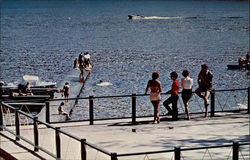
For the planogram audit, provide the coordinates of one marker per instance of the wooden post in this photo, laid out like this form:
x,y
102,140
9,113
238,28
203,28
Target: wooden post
x,y
47,111
133,109
35,133
212,103
248,108
58,143
235,150
83,150
177,153
91,110
1,116
114,156
17,124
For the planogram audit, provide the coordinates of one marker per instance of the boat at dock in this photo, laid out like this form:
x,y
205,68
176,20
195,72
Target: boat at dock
x,y
29,95
238,66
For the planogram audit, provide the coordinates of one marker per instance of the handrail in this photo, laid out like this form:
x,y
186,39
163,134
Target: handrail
x,y
28,141
58,130
117,96
182,149
13,108
52,127
130,95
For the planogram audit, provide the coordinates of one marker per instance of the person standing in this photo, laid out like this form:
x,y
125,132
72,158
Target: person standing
x,y
205,85
66,91
174,97
187,85
155,97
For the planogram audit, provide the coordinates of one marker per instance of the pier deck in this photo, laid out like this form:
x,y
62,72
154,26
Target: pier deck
x,y
121,137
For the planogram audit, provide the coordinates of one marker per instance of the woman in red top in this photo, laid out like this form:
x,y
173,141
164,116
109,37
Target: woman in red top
x,y
174,97
155,97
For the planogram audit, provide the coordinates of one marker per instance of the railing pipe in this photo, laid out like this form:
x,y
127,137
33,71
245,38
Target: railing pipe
x,y
235,150
248,101
91,110
212,103
177,153
134,109
47,111
35,134
1,116
58,143
114,156
83,150
17,123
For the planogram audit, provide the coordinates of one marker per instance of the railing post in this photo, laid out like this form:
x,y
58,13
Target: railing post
x,y
83,150
114,156
248,108
235,150
212,103
177,153
1,116
17,124
35,133
133,108
47,111
58,143
91,110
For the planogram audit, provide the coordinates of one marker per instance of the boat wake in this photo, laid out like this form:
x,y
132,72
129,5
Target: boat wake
x,y
157,17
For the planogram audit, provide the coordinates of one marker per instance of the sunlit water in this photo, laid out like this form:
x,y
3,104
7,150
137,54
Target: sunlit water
x,y
44,37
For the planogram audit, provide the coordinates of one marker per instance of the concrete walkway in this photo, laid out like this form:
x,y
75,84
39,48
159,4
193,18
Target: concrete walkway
x,y
121,137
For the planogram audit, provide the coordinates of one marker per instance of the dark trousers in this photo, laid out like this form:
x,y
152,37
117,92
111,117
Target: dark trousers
x,y
174,111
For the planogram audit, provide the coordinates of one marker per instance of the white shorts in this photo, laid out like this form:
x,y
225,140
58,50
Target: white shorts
x,y
155,96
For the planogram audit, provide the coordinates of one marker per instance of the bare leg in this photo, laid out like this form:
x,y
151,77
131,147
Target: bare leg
x,y
186,110
156,111
206,102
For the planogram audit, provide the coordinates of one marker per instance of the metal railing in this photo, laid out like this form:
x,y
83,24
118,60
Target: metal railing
x,y
134,97
57,130
83,142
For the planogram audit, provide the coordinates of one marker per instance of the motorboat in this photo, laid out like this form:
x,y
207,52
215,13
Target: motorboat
x,y
28,95
131,16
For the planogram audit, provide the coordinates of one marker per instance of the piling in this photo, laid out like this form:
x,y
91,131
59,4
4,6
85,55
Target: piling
x,y
58,143
212,103
134,109
114,156
235,150
91,110
17,122
177,153
35,134
47,111
248,104
83,150
1,117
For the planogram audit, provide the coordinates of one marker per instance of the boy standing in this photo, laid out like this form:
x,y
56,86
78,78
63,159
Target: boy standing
x,y
205,85
174,97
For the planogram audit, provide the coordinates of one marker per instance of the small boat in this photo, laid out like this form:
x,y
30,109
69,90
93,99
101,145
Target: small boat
x,y
236,66
131,16
35,86
233,66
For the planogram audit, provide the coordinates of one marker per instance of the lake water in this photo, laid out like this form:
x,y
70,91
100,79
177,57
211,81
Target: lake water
x,y
44,37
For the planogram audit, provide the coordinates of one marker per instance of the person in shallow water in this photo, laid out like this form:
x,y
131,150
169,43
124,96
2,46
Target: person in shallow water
x,y
205,85
66,91
155,97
